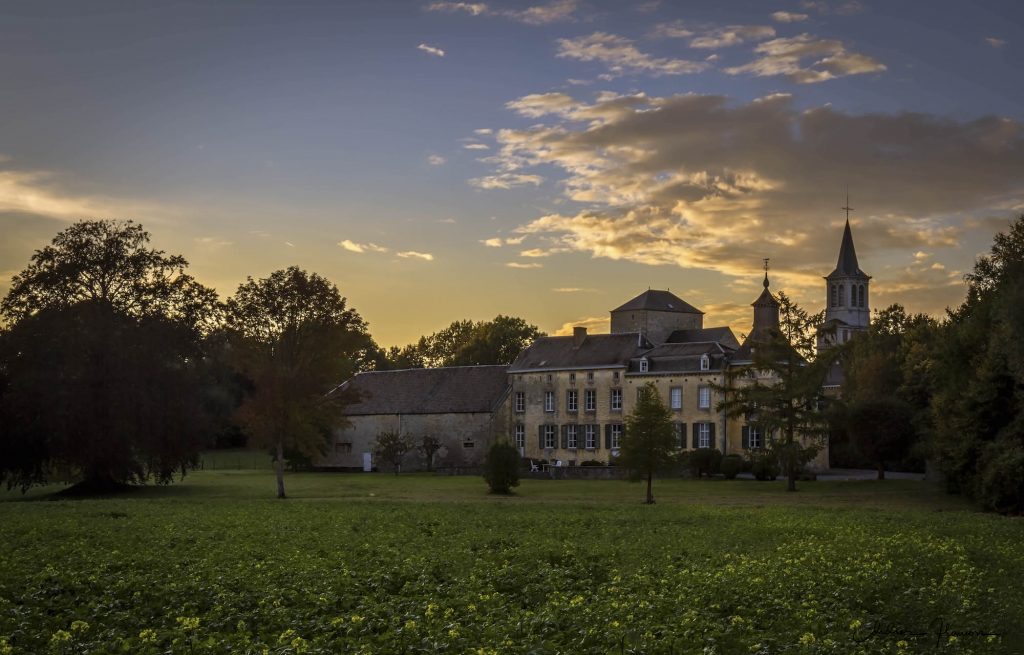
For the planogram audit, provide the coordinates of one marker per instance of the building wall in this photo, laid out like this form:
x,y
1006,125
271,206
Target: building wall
x,y
654,325
465,438
854,315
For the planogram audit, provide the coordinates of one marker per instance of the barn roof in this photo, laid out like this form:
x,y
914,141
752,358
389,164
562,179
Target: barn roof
x,y
449,390
595,351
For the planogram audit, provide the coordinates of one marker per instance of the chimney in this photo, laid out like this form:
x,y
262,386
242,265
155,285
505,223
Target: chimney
x,y
579,335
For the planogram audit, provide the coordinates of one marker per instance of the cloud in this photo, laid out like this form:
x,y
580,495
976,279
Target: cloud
x,y
476,146
552,12
620,56
494,242
431,50
787,56
702,182
448,221
352,246
594,325
506,181
436,160
572,290
212,243
789,17
407,254
847,8
521,265
483,131
994,42
731,35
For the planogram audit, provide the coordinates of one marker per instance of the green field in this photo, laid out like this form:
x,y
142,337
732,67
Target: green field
x,y
379,564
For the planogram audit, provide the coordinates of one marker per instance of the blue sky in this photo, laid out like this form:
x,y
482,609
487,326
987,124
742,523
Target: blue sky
x,y
444,160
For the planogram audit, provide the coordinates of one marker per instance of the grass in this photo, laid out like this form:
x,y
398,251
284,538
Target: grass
x,y
422,563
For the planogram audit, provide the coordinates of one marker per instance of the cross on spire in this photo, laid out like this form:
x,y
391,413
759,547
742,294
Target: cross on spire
x,y
847,208
766,272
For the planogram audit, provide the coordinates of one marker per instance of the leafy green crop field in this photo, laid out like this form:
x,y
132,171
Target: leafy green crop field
x,y
423,564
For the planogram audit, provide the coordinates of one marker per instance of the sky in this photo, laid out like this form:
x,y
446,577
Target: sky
x,y
552,159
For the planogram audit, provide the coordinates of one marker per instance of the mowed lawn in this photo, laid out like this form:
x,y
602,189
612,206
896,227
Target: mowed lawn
x,y
374,563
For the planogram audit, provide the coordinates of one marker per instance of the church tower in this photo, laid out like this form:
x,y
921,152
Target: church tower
x,y
847,306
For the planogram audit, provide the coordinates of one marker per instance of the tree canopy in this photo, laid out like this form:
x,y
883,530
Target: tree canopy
x,y
294,338
467,343
648,443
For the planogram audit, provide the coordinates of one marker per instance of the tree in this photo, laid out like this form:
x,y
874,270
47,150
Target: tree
x,y
467,343
781,389
501,467
392,447
882,430
295,340
103,362
429,445
648,443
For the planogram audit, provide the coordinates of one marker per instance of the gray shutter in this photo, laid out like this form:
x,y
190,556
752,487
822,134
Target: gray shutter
x,y
607,435
746,437
565,436
696,437
540,436
711,442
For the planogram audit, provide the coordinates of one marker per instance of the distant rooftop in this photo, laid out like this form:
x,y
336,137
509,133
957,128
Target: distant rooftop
x,y
449,390
596,351
659,301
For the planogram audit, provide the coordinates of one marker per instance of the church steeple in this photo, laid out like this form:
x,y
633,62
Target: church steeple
x,y
766,308
847,264
847,306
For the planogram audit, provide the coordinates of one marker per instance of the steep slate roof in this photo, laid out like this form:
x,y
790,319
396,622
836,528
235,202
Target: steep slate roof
x,y
679,357
722,335
659,301
847,264
596,351
450,390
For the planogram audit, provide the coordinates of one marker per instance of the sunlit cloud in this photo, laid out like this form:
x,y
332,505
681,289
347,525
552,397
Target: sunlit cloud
x,y
594,325
471,8
352,246
494,242
789,57
524,265
506,181
572,290
476,146
483,131
431,50
731,35
994,42
407,254
542,14
436,160
620,56
789,17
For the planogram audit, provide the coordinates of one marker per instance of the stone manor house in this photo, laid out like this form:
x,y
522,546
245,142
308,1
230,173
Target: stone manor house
x,y
565,398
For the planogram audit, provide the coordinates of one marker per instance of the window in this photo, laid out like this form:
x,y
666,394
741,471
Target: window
x,y
520,401
549,377
754,440
842,295
570,436
615,376
520,436
680,430
616,399
705,363
590,400
572,400
860,300
342,448
572,378
835,300
676,398
468,444
550,440
853,295
590,376
704,397
590,437
549,401
703,435
616,435
644,365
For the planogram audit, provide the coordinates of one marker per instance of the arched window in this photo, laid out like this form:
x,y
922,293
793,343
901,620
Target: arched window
x,y
853,295
842,295
705,363
834,299
860,302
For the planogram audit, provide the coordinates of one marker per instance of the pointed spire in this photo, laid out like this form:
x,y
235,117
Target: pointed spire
x,y
847,264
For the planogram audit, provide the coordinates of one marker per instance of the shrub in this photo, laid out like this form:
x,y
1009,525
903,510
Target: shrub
x,y
764,466
705,461
501,467
731,465
1001,483
592,462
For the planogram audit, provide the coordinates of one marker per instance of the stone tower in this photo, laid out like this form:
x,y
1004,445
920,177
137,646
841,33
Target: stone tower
x,y
656,314
847,295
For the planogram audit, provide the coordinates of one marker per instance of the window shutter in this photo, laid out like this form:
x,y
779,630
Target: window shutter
x,y
746,437
540,436
608,436
711,441
696,436
565,436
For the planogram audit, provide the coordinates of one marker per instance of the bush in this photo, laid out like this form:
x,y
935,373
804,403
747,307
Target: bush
x,y
592,462
1001,483
731,465
764,466
501,467
705,461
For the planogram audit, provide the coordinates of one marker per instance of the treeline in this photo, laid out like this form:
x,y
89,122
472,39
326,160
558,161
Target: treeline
x,y
117,366
949,392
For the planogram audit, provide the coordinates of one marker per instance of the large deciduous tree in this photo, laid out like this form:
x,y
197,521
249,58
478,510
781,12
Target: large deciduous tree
x,y
102,361
294,338
648,444
780,390
467,343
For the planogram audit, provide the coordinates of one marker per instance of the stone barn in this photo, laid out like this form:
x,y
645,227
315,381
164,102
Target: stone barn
x,y
462,406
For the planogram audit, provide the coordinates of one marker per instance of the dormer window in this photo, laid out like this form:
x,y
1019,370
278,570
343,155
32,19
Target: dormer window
x,y
643,365
705,362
